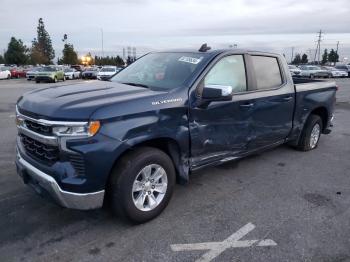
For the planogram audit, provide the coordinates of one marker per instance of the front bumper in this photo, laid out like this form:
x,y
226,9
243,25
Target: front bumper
x,y
43,183
44,78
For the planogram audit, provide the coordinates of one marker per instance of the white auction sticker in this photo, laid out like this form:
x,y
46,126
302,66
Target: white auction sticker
x,y
191,60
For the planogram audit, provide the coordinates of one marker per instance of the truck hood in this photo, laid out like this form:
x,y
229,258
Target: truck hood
x,y
79,101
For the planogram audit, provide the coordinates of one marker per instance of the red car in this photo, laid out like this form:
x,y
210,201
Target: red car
x,y
18,72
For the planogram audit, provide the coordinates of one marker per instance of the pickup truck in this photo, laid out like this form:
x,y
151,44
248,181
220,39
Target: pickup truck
x,y
130,139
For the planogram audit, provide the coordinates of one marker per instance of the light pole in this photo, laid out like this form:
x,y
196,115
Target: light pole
x,y
102,42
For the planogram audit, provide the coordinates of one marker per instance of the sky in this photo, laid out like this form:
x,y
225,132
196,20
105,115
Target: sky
x,y
149,25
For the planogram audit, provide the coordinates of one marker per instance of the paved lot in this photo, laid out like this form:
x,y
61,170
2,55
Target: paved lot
x,y
299,201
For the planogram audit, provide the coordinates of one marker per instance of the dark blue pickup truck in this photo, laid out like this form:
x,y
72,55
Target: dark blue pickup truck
x,y
169,113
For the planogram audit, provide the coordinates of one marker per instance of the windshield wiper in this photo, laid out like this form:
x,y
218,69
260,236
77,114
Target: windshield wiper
x,y
135,84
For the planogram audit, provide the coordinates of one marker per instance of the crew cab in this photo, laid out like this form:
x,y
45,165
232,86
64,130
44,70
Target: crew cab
x,y
164,116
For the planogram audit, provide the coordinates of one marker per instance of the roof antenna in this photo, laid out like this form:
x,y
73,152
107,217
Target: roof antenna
x,y
204,48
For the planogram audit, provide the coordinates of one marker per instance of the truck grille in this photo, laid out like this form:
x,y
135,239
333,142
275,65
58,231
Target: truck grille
x,y
38,128
45,153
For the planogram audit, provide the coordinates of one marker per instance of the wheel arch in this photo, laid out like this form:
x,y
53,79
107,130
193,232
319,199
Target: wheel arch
x,y
322,112
169,146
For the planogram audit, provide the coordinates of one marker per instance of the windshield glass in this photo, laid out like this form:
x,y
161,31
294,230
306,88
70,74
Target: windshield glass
x,y
161,71
90,69
68,70
49,69
292,67
108,69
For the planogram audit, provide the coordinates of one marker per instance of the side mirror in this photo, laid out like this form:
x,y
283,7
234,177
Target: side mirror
x,y
217,93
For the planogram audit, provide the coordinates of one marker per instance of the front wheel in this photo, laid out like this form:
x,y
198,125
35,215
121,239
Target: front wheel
x,y
311,133
141,185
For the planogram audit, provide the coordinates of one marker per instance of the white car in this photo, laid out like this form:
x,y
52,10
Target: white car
x,y
295,71
106,72
335,72
313,71
5,73
31,74
71,73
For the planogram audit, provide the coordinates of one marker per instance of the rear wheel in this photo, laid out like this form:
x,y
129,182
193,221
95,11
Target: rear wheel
x,y
311,133
312,76
141,185
55,79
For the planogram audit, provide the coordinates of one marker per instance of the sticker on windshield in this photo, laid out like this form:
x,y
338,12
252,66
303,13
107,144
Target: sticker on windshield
x,y
191,60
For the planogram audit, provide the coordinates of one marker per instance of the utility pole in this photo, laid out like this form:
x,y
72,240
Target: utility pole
x,y
318,47
291,59
337,47
103,54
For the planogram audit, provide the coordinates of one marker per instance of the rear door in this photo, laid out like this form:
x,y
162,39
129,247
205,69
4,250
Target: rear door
x,y
271,101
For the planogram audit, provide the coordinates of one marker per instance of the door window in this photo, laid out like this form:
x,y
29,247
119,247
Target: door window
x,y
229,71
267,72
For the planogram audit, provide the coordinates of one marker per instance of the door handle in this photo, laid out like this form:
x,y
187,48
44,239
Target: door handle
x,y
247,105
287,98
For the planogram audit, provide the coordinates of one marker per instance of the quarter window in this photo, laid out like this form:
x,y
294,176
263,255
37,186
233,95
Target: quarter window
x,y
267,72
229,71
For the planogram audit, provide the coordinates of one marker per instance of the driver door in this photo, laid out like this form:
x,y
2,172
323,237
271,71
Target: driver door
x,y
220,129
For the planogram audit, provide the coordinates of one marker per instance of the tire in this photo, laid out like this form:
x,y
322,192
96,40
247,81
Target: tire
x,y
37,81
55,79
64,78
306,142
127,172
312,76
8,76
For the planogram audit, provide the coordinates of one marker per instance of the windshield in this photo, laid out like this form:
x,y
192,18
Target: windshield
x,y
68,70
161,71
108,69
49,69
90,69
292,67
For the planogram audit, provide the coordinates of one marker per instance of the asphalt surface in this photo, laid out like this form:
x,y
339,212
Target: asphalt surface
x,y
299,200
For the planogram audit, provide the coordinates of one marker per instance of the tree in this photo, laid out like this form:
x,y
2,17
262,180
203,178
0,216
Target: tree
x,y
324,57
70,57
16,52
333,57
296,60
109,60
42,51
304,59
2,60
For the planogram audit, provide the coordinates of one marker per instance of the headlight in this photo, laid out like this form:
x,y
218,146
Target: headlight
x,y
86,130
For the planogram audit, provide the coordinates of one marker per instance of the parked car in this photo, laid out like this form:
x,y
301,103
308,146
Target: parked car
x,y
50,74
71,73
79,68
344,68
17,72
158,120
295,71
335,72
5,73
313,71
106,72
31,73
90,73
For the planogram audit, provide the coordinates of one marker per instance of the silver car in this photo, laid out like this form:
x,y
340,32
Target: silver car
x,y
314,71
